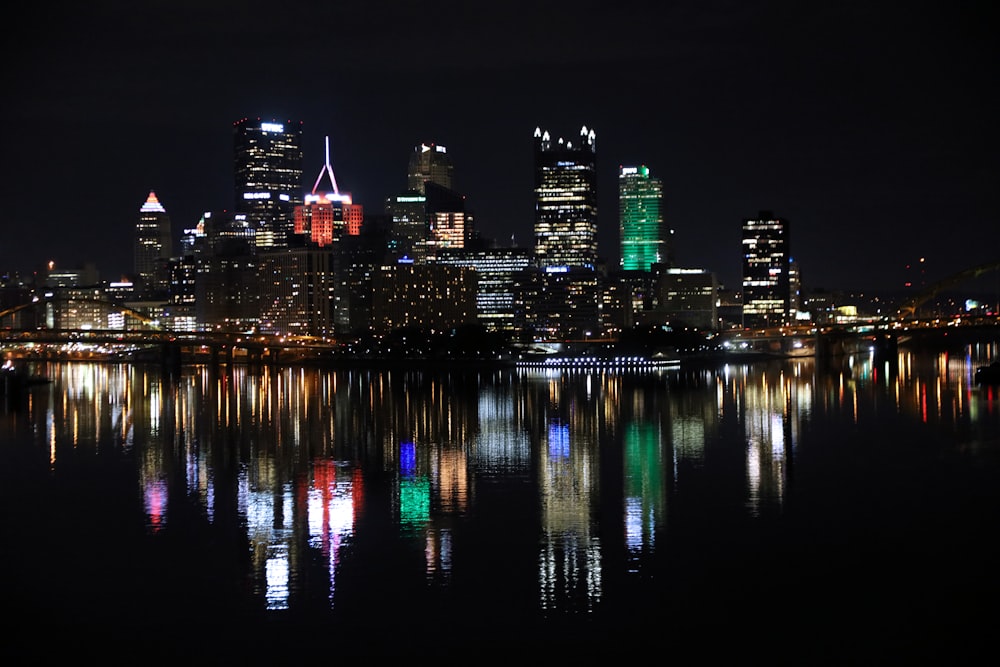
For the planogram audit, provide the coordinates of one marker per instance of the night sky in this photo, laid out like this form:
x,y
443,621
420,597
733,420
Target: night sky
x,y
871,127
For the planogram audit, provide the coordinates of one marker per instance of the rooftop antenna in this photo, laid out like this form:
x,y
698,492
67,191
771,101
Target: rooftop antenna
x,y
327,169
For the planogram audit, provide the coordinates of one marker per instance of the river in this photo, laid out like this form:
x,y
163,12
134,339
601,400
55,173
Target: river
x,y
774,512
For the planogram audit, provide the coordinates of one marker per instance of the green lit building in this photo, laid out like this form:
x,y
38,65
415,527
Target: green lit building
x,y
644,239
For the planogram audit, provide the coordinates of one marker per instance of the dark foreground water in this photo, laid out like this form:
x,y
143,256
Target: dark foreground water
x,y
768,513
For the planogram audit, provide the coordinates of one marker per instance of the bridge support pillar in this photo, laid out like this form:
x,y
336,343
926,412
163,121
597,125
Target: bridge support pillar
x,y
170,357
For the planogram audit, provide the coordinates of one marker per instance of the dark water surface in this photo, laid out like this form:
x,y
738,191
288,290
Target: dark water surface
x,y
774,512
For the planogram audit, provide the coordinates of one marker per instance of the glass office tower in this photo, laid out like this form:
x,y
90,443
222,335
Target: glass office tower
x,y
566,200
766,288
640,219
429,162
268,176
153,246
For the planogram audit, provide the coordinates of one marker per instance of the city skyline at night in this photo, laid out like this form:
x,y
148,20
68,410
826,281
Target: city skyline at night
x,y
870,127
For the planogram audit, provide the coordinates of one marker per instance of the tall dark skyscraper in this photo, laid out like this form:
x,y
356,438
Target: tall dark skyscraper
x,y
421,221
566,200
644,240
766,287
429,163
153,246
268,176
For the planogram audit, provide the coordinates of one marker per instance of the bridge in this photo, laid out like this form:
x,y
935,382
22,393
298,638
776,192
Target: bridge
x,y
172,347
909,308
809,340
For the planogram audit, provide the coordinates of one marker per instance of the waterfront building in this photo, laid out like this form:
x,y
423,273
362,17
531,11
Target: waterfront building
x,y
432,297
356,261
153,246
766,286
226,283
688,297
296,291
558,303
644,239
79,308
566,200
181,314
795,291
497,270
627,298
730,308
268,176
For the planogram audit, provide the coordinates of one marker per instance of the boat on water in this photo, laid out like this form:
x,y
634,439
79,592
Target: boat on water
x,y
988,374
602,361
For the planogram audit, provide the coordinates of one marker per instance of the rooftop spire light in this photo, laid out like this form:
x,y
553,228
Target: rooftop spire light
x,y
327,169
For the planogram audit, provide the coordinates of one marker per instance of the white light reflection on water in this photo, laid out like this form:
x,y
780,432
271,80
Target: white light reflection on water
x,y
569,566
269,519
500,447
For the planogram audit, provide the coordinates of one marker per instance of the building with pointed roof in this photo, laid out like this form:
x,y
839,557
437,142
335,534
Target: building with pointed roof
x,y
326,213
153,246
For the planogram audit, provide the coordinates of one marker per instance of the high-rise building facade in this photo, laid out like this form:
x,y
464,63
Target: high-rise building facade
x,y
688,296
227,290
448,223
152,248
422,221
297,291
268,176
643,238
429,163
327,214
408,213
427,296
566,200
497,271
766,288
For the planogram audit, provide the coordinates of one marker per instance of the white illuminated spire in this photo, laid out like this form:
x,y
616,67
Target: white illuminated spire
x,y
327,169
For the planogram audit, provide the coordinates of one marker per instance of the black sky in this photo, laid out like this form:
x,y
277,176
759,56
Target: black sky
x,y
871,126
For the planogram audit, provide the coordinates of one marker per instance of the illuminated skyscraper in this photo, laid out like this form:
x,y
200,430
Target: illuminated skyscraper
x,y
297,291
566,200
408,213
268,176
640,220
327,214
497,271
766,289
429,163
153,246
448,223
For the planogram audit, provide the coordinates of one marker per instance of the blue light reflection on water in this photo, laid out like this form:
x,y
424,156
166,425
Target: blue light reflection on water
x,y
467,500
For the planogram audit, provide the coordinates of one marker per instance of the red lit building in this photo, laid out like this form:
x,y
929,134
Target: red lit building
x,y
327,214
